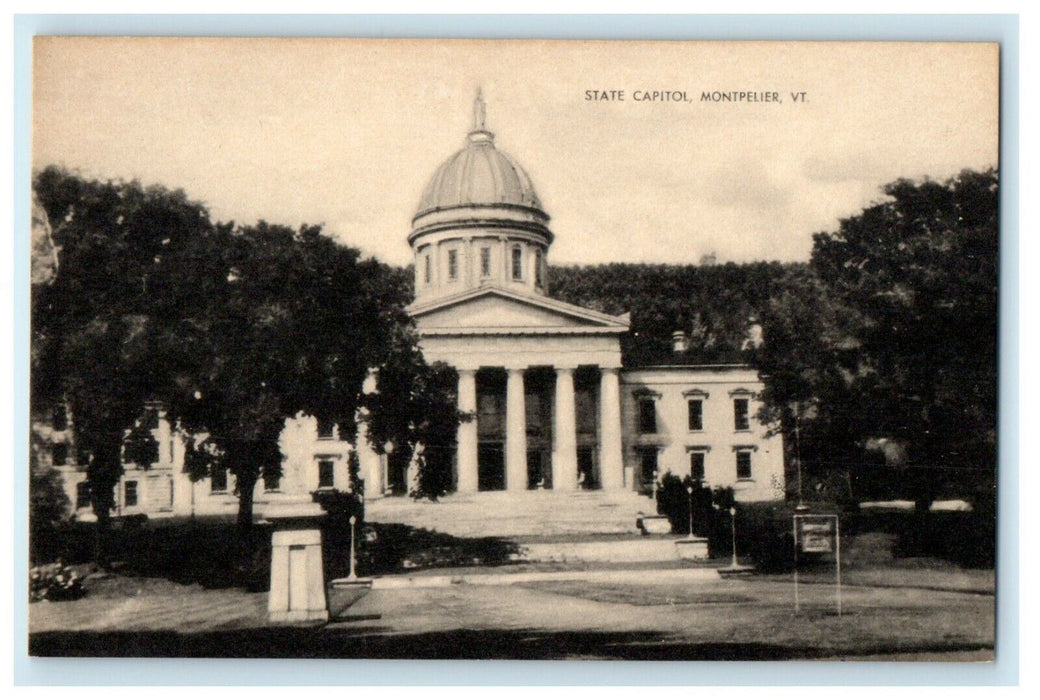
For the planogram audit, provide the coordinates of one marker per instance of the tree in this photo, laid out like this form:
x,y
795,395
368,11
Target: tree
x,y
921,269
415,411
292,328
96,325
713,304
890,336
808,360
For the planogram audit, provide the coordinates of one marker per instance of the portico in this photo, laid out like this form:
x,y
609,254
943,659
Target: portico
x,y
540,441
541,379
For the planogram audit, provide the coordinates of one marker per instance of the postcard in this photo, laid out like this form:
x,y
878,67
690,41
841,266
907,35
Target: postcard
x,y
514,349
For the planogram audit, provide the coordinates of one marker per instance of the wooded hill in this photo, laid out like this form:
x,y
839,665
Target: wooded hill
x,y
715,305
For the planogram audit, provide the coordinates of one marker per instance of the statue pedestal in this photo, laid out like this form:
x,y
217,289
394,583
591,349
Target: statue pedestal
x,y
297,577
653,524
692,548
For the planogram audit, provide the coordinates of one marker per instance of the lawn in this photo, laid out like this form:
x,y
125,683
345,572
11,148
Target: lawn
x,y
751,618
760,611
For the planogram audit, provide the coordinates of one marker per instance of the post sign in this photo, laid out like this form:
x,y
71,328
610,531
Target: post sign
x,y
817,534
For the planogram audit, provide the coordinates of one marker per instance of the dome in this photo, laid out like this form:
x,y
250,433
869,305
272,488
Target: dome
x,y
479,175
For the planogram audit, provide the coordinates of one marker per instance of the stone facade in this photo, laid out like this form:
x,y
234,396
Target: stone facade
x,y
700,421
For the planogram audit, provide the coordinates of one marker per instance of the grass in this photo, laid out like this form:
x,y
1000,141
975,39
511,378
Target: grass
x,y
760,611
731,619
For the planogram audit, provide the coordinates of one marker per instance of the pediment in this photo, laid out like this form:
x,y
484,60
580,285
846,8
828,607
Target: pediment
x,y
495,310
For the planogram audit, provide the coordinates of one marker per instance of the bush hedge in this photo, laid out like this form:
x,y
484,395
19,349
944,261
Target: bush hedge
x,y
765,530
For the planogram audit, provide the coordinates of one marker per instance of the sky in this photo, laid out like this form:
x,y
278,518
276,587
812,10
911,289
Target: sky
x,y
346,133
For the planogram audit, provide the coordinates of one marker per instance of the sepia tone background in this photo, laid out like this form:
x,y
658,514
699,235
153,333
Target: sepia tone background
x,y
345,132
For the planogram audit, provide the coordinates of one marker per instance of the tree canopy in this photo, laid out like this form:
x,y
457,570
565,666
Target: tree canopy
x,y
294,327
231,329
893,340
96,326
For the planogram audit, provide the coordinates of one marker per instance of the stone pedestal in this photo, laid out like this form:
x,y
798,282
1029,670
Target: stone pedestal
x,y
692,548
297,577
653,524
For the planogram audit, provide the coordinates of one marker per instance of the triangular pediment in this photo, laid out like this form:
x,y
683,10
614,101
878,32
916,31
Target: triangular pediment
x,y
495,310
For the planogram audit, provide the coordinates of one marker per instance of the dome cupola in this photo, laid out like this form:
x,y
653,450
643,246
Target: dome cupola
x,y
479,175
479,221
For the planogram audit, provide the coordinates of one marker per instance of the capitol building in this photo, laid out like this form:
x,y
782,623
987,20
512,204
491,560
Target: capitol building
x,y
556,408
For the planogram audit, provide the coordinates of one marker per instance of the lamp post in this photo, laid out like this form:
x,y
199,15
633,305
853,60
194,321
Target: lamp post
x,y
798,454
353,558
689,490
733,533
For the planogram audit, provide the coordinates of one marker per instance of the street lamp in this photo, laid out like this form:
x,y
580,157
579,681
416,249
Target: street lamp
x,y
353,557
689,490
798,455
733,533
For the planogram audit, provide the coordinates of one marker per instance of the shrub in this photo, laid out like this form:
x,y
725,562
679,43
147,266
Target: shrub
x,y
54,582
764,535
48,514
340,506
710,510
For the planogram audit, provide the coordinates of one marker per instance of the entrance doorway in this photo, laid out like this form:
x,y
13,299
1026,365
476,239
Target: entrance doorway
x,y
588,475
539,469
491,467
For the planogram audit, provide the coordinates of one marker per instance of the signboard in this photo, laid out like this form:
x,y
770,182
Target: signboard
x,y
816,534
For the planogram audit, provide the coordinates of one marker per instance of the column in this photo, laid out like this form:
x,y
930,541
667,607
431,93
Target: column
x,y
467,433
516,431
370,464
565,454
611,464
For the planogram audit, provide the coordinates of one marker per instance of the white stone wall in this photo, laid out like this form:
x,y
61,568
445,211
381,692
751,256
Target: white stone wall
x,y
300,445
670,388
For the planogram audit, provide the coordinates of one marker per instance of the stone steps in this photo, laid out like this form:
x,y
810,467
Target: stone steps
x,y
531,514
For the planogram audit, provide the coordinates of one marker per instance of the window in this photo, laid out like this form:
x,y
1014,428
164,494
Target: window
x,y
218,480
59,418
743,464
697,466
82,455
518,263
695,414
647,416
538,268
485,262
272,482
150,419
325,474
740,414
59,454
83,494
326,429
428,272
647,468
129,494
453,264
